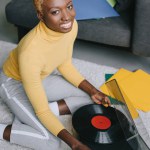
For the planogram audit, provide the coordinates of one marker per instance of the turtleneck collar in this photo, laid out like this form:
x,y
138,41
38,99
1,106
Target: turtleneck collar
x,y
49,34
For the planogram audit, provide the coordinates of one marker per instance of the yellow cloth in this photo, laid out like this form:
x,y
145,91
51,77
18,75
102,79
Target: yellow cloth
x,y
134,87
137,88
119,75
36,56
116,92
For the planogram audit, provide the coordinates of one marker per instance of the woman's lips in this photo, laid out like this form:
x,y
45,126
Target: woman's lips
x,y
66,25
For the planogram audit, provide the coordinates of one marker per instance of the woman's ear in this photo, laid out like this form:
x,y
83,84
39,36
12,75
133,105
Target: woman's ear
x,y
40,15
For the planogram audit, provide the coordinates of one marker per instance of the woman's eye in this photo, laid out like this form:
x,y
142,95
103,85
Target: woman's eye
x,y
70,7
55,12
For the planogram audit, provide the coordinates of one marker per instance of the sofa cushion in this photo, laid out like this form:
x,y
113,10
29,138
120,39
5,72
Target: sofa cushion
x,y
111,31
141,36
22,13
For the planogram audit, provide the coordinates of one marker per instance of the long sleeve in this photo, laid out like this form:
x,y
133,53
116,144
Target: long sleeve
x,y
68,70
30,69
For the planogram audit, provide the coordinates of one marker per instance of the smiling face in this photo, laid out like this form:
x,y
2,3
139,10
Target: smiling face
x,y
58,15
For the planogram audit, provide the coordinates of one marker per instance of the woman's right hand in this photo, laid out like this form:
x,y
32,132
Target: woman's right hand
x,y
71,141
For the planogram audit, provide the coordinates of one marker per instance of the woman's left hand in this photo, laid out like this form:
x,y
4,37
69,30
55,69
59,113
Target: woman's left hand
x,y
101,98
96,95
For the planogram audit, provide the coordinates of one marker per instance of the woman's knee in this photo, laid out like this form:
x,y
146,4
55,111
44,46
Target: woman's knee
x,y
75,103
56,87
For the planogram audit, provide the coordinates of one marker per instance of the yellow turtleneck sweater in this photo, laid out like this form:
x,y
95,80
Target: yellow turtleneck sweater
x,y
36,56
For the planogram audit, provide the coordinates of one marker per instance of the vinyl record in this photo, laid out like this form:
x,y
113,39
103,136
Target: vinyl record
x,y
99,124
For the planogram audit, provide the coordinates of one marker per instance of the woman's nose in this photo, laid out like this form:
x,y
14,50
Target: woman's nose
x,y
65,16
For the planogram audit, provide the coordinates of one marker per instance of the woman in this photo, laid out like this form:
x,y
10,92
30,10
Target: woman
x,y
33,92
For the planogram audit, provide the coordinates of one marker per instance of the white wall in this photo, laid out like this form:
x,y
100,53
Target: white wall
x,y
8,32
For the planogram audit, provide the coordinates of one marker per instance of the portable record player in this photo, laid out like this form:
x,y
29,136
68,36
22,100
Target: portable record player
x,y
108,128
141,135
99,127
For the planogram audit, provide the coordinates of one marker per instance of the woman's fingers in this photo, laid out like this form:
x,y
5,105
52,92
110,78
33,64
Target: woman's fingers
x,y
96,100
107,100
100,98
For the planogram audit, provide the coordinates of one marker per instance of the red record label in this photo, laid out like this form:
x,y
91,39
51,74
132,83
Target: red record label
x,y
101,122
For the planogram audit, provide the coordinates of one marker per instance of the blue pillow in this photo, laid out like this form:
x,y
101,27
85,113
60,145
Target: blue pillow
x,y
93,9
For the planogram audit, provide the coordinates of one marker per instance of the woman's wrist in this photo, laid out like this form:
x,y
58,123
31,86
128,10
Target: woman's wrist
x,y
94,91
68,138
88,88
